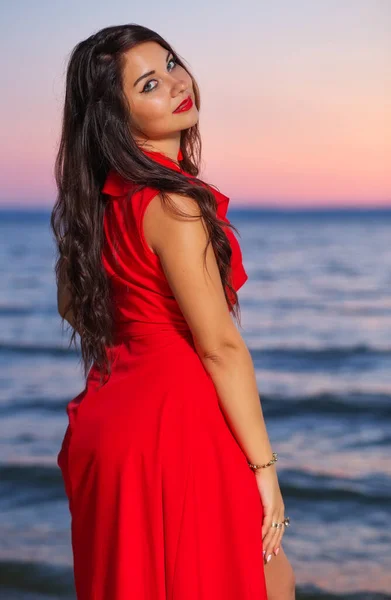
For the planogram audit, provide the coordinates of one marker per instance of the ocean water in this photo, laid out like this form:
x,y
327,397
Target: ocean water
x,y
316,315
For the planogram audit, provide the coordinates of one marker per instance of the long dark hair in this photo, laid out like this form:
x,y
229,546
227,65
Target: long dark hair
x,y
96,137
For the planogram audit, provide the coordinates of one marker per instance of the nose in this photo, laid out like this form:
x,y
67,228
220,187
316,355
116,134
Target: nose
x,y
178,87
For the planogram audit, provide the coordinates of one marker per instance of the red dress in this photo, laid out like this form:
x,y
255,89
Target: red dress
x,y
163,504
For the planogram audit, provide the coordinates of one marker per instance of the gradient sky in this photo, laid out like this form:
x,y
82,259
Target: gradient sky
x,y
296,94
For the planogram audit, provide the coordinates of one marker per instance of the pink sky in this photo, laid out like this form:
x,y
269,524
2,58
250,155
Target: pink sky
x,y
295,102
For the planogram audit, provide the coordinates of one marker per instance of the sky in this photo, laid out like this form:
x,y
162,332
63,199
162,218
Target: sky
x,y
296,94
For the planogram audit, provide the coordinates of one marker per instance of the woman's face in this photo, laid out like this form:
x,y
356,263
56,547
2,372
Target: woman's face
x,y
153,97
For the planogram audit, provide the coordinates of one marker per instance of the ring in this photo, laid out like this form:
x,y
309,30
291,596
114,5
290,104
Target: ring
x,y
285,522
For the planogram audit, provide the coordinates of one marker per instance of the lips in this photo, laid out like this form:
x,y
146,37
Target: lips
x,y
184,105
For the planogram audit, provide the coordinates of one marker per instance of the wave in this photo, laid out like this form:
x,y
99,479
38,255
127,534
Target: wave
x,y
15,406
23,485
43,581
33,349
15,311
12,310
359,404
29,484
325,354
35,578
329,354
314,593
371,405
303,485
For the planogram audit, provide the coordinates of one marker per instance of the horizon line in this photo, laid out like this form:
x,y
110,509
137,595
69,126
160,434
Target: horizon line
x,y
237,207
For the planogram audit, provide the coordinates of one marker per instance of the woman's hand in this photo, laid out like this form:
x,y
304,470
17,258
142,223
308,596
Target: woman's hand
x,y
273,507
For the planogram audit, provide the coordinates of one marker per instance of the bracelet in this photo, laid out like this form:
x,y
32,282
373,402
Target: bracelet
x,y
269,464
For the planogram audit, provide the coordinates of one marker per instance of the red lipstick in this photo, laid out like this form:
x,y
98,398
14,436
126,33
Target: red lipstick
x,y
185,105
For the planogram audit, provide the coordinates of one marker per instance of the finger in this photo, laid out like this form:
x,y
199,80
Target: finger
x,y
268,552
278,539
268,543
275,538
266,532
272,545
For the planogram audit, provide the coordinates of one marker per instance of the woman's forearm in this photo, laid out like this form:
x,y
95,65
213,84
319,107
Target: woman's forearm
x,y
232,371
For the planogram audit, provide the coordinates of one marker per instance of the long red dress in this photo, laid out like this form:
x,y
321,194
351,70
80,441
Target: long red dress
x,y
163,504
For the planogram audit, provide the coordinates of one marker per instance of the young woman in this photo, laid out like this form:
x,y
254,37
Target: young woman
x,y
167,465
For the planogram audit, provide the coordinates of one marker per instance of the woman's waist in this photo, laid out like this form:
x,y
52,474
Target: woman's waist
x,y
125,330
146,349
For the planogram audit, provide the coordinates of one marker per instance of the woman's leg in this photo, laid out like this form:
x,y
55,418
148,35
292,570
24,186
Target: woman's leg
x,y
280,578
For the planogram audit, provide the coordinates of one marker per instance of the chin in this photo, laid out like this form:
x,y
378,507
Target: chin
x,y
189,121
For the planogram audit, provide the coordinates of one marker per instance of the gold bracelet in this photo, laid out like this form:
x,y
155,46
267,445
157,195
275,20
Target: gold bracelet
x,y
269,464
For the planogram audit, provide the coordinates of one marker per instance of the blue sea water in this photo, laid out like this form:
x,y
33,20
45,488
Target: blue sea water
x,y
316,315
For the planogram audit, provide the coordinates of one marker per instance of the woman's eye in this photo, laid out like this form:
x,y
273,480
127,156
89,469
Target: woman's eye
x,y
172,60
145,88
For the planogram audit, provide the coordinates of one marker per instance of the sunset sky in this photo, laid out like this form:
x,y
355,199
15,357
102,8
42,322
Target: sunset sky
x,y
296,94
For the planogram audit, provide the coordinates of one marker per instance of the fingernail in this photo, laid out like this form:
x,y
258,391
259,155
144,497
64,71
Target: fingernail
x,y
269,558
276,551
264,552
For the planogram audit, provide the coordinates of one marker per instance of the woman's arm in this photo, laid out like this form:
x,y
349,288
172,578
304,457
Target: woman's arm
x,y
180,245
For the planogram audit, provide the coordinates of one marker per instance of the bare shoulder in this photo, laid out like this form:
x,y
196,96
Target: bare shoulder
x,y
177,233
160,213
187,257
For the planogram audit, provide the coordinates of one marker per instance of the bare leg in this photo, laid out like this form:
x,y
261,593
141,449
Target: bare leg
x,y
280,578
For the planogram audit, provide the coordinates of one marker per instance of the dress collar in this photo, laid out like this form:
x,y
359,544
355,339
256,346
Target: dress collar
x,y
163,159
116,185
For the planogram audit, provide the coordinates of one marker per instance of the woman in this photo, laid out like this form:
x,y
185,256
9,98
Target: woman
x,y
158,456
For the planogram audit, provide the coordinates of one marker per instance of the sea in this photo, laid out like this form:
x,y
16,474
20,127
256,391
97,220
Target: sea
x,y
316,316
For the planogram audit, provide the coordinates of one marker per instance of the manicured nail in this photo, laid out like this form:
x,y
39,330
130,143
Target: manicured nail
x,y
264,552
269,558
276,551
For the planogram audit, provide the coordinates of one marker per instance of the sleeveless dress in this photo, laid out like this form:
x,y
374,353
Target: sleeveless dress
x,y
163,504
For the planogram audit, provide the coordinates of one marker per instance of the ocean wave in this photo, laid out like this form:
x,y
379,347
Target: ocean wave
x,y
27,484
329,355
39,474
303,485
372,405
35,578
23,485
354,404
323,353
314,593
18,405
38,581
33,349
12,310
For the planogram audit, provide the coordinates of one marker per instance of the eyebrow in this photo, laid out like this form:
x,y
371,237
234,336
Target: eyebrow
x,y
150,72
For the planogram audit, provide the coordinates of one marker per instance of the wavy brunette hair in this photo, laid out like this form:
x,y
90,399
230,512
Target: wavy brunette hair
x,y
96,137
